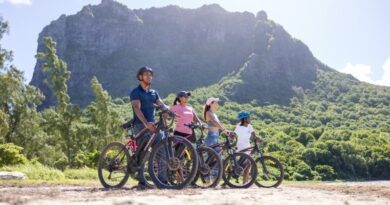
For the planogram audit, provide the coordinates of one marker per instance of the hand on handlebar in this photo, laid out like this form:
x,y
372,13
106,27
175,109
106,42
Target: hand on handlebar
x,y
259,140
150,126
228,133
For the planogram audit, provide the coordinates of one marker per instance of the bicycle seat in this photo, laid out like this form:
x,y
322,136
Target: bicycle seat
x,y
128,124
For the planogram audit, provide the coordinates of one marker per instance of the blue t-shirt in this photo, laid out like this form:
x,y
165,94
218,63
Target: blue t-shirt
x,y
147,99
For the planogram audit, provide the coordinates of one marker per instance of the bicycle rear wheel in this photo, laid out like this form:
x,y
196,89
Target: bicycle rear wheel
x,y
239,171
270,172
113,165
173,163
209,169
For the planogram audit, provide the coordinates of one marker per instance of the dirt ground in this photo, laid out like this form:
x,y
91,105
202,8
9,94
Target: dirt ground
x,y
333,193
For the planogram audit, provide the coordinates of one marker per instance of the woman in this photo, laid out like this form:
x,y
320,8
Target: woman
x,y
185,114
214,125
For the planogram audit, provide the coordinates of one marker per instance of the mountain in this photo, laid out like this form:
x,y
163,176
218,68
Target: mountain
x,y
187,48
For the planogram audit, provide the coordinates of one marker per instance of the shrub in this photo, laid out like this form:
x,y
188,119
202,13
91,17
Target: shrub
x,y
326,172
10,155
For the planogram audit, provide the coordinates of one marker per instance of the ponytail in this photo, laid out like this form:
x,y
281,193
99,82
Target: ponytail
x,y
206,109
176,100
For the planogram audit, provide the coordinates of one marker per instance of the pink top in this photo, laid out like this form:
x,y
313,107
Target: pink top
x,y
185,115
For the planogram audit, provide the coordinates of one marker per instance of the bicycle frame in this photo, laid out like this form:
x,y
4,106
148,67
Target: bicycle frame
x,y
253,150
199,141
256,150
226,146
141,151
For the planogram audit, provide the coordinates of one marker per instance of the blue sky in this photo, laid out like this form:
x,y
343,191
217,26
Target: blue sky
x,y
352,36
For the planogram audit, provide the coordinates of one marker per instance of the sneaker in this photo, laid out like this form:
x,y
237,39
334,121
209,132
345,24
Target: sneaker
x,y
142,186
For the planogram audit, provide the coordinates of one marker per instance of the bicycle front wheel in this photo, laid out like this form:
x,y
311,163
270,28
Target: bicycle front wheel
x,y
173,163
113,165
271,172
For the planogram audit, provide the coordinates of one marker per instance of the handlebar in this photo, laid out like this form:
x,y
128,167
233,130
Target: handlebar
x,y
127,125
193,125
231,138
261,141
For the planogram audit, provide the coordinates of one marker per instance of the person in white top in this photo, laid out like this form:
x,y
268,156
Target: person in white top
x,y
245,134
244,131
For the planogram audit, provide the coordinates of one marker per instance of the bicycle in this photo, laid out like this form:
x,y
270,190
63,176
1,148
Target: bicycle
x,y
237,166
166,161
271,171
210,164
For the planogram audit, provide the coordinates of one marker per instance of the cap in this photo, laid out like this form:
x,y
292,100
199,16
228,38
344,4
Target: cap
x,y
183,93
210,100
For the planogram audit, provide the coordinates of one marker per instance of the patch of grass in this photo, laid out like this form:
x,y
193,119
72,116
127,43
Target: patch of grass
x,y
33,182
81,174
38,174
37,171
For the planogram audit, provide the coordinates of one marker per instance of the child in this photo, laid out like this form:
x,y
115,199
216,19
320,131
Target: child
x,y
244,131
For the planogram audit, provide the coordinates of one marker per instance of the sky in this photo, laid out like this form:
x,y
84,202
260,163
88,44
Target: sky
x,y
351,36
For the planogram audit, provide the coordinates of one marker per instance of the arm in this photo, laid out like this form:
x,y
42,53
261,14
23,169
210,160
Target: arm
x,y
196,118
218,123
136,104
159,101
253,136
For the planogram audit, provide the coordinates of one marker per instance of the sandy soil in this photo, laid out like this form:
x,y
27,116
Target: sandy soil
x,y
296,193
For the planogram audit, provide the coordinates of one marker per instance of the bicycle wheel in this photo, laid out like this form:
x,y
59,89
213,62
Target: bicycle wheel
x,y
113,165
239,170
209,169
173,163
270,172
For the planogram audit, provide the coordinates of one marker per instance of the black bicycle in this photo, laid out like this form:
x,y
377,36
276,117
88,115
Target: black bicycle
x,y
270,170
239,169
210,164
173,162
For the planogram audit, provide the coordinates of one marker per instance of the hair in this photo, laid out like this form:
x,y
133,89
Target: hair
x,y
176,100
242,122
206,109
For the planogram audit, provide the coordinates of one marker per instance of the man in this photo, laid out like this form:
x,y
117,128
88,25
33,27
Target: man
x,y
143,99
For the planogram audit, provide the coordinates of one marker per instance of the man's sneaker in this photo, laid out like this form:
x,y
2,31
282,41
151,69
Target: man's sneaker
x,y
142,186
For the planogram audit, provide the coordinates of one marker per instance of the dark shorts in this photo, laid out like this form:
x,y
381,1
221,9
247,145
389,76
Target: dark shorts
x,y
189,137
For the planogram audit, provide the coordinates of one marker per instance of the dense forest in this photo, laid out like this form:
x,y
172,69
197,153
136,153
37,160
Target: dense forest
x,y
338,129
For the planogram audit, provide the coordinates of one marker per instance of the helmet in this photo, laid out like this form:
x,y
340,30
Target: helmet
x,y
243,115
142,70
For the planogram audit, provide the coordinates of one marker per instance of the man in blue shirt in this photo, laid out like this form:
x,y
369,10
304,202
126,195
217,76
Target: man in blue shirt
x,y
143,99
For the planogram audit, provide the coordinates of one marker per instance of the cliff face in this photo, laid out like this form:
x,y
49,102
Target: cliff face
x,y
187,48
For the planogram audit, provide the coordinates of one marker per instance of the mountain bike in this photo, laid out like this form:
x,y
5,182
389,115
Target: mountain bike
x,y
173,161
270,170
239,169
210,164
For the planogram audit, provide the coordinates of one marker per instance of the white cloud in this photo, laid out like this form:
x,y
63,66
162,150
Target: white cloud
x,y
360,71
385,80
18,2
364,73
